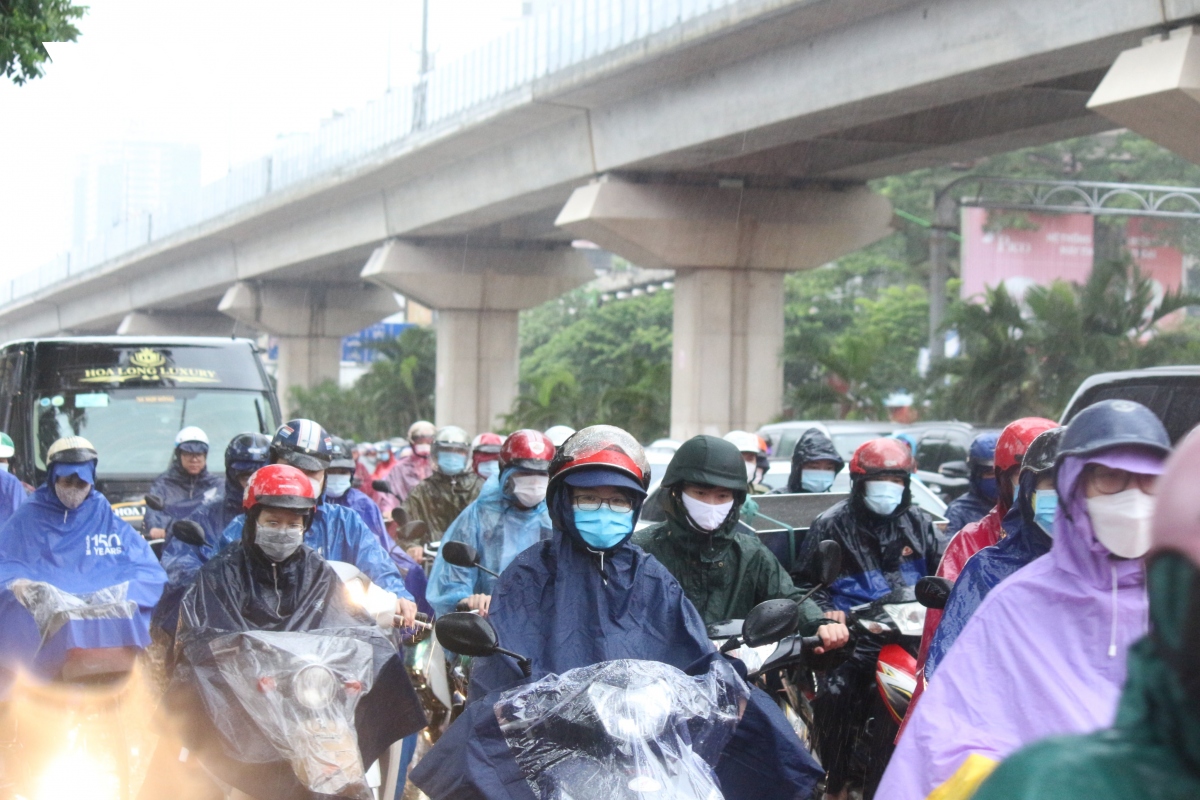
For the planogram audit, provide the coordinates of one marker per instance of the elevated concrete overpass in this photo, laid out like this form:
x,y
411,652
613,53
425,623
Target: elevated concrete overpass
x,y
728,140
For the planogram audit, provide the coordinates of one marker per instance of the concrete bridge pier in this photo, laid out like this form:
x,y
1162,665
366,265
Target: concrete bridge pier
x,y
730,248
309,321
478,292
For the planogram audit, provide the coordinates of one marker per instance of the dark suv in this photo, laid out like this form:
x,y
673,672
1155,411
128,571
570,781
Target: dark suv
x,y
1173,393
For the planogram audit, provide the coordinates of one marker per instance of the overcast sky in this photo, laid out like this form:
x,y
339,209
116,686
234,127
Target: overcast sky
x,y
227,75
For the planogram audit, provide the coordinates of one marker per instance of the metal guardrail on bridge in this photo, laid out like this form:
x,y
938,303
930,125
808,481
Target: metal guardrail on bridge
x,y
559,38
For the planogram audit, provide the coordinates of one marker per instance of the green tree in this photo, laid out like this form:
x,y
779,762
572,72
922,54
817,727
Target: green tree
x,y
25,27
395,392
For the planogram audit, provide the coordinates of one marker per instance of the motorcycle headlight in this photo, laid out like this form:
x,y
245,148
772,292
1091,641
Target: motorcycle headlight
x,y
632,714
909,618
315,687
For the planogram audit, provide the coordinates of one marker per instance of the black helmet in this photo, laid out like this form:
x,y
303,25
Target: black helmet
x,y
246,452
303,444
707,460
1042,452
1113,423
340,457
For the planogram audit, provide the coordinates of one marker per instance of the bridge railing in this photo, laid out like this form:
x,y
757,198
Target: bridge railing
x,y
558,39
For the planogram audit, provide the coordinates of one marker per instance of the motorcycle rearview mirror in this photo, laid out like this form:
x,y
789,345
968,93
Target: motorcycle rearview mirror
x,y
830,553
154,502
399,516
381,486
416,529
471,635
933,592
770,621
188,532
954,469
461,554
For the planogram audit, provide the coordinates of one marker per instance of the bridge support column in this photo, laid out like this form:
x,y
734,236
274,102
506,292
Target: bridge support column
x,y
477,292
309,321
730,248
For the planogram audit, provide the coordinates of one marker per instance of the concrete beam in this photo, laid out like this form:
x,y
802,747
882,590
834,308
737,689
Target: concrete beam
x,y
478,292
1155,90
730,249
176,323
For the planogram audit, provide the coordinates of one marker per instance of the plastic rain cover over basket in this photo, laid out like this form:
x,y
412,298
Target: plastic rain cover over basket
x,y
52,608
300,689
623,729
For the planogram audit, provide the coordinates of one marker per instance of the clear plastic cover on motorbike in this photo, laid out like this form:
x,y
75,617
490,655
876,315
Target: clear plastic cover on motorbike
x,y
592,440
623,729
301,691
52,608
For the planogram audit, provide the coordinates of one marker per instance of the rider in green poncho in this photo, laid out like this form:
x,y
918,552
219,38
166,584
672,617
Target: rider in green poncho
x,y
1153,749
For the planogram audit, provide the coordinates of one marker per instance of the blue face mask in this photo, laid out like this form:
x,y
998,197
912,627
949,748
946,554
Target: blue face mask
x,y
816,480
487,469
603,528
883,497
989,489
451,463
1045,503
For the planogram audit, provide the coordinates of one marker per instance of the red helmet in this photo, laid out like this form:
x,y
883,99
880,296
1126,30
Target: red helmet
x,y
1015,440
280,486
601,446
882,456
487,443
527,449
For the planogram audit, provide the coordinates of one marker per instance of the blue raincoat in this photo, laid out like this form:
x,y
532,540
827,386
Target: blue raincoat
x,y
79,552
366,509
182,561
499,530
1024,540
963,510
12,495
182,494
339,534
565,607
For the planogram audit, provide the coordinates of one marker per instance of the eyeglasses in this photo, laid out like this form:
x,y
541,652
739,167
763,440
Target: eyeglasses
x,y
590,502
295,529
1107,480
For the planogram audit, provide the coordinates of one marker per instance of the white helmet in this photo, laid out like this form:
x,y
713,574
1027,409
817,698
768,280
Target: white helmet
x,y
743,441
559,434
191,440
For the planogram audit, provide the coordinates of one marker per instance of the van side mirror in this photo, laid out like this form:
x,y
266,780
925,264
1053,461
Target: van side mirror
x,y
154,502
770,621
933,592
954,469
830,554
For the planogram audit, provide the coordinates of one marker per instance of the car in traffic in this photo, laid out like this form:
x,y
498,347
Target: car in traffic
x,y
846,435
1173,393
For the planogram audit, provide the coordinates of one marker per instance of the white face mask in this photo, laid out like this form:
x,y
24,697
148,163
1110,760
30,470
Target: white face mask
x,y
278,543
1121,521
529,490
883,497
337,485
72,496
707,517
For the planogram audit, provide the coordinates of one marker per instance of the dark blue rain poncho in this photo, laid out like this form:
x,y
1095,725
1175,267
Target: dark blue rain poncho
x,y
182,494
182,561
12,495
564,607
366,508
339,534
499,530
1024,541
977,501
79,552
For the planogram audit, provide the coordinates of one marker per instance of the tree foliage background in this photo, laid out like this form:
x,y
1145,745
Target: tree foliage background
x,y
853,328
25,27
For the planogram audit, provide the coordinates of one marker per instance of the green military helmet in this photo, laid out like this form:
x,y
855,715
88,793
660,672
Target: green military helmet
x,y
707,460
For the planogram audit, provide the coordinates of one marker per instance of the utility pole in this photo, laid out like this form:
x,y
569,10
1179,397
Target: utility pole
x,y
419,89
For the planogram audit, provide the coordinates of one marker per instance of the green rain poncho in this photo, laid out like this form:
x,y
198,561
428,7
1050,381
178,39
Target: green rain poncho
x,y
1153,749
724,573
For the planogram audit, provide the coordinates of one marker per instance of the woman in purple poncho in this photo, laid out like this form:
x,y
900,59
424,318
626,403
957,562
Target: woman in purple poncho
x,y
1044,653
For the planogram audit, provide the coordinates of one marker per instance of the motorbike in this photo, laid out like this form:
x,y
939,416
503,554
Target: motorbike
x,y
185,530
85,733
621,729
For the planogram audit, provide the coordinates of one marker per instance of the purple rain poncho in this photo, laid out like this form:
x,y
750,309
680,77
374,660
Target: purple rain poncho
x,y
1043,655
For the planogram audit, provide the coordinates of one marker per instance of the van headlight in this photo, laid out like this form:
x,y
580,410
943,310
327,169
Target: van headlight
x,y
315,687
632,714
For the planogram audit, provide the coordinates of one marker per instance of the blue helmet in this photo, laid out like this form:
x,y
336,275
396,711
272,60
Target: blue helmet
x,y
983,448
303,444
247,452
1114,423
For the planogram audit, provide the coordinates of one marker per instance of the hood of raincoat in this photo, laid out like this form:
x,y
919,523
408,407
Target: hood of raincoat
x,y
1023,541
812,446
78,551
1083,608
1153,749
553,605
498,528
242,590
703,460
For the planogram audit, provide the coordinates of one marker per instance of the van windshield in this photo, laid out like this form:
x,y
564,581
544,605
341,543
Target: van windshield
x,y
134,429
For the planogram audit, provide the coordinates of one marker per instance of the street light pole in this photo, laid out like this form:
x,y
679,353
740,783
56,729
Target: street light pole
x,y
944,210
